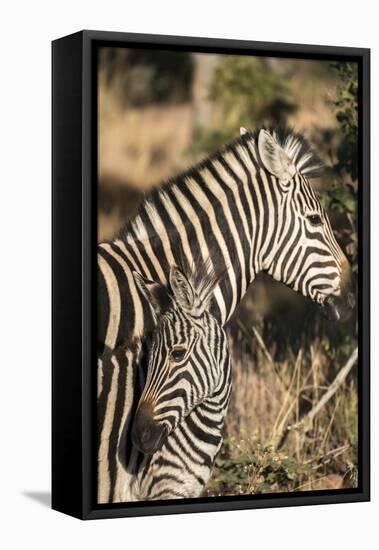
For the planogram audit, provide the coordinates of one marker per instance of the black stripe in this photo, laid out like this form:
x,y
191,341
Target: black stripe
x,y
103,311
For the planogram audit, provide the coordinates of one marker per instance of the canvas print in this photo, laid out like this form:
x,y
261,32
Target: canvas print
x,y
227,275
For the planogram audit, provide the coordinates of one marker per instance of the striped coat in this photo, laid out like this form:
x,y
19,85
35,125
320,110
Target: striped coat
x,y
249,208
171,405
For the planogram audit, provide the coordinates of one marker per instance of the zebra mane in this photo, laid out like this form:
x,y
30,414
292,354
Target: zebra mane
x,y
295,145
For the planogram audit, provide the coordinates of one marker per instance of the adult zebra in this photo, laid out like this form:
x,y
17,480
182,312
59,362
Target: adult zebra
x,y
250,208
182,392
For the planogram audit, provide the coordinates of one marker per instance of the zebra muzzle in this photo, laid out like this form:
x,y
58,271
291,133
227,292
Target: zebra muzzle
x,y
339,308
147,434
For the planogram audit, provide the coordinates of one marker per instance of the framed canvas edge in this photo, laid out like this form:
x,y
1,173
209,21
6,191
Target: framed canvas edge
x,y
67,128
278,48
89,510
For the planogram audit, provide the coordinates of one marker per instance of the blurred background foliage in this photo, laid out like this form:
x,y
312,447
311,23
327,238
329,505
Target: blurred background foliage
x,y
143,77
160,112
247,93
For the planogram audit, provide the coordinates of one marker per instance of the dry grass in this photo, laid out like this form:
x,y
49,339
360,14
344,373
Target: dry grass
x,y
260,454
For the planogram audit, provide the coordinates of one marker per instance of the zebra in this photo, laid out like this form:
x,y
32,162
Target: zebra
x,y
182,394
250,208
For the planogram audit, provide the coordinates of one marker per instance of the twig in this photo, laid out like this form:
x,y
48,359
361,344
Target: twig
x,y
281,432
307,421
262,345
335,452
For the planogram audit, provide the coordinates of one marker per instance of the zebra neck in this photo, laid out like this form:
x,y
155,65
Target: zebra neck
x,y
220,396
214,210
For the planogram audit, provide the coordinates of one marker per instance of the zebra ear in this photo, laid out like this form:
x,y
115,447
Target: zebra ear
x,y
274,158
155,293
183,291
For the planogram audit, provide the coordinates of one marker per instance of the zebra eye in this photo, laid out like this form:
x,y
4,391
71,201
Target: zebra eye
x,y
315,219
177,354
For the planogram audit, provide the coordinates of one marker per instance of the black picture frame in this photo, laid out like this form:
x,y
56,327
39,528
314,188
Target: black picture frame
x,y
74,205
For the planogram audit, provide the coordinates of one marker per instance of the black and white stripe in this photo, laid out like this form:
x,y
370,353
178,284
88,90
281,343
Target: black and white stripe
x,y
239,207
177,426
248,208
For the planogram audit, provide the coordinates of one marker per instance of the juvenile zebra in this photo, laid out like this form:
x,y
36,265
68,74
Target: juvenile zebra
x,y
181,389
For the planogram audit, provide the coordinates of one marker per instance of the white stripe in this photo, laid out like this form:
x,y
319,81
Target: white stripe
x,y
114,302
99,377
103,465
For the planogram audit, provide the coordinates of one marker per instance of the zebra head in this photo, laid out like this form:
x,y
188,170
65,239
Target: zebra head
x,y
186,361
299,248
